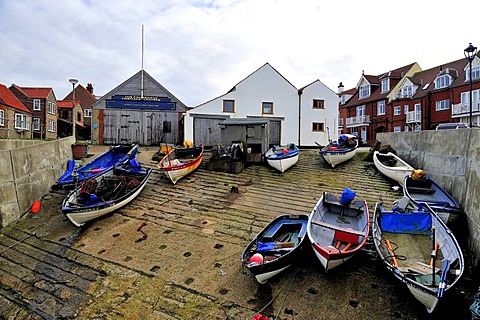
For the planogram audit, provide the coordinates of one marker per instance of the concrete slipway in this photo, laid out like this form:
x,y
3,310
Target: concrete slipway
x,y
184,263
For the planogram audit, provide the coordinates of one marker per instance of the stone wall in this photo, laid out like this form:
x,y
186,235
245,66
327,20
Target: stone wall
x,y
29,168
452,158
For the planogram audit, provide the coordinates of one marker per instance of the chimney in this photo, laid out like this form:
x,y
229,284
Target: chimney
x,y
340,88
90,88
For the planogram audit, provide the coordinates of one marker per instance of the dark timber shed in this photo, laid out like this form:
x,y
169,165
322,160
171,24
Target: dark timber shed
x,y
253,132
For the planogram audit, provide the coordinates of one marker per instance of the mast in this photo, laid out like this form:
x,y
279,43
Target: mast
x,y
141,84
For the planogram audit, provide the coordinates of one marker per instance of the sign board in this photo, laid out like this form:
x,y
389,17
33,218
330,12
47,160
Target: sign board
x,y
138,102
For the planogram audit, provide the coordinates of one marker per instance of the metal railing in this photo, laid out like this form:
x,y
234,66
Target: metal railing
x,y
414,116
358,121
464,108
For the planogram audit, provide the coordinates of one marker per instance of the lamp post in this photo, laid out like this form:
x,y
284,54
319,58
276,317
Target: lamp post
x,y
470,53
73,82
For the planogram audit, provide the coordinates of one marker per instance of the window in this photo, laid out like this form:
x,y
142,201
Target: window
x,y
36,104
406,129
228,105
442,105
51,107
318,104
167,126
343,99
465,97
397,129
381,107
87,113
407,91
405,109
364,91
51,126
442,82
21,121
36,124
318,126
397,110
360,111
2,118
475,73
267,107
385,85
417,127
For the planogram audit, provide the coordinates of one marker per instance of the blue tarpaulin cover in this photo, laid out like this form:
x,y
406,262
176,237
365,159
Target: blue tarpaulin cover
x,y
415,222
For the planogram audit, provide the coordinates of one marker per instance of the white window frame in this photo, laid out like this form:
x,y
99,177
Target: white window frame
x,y
406,129
442,105
465,97
407,91
360,111
51,126
2,118
397,129
36,105
405,109
442,81
397,110
364,91
475,73
385,85
51,107
381,107
21,122
36,124
87,113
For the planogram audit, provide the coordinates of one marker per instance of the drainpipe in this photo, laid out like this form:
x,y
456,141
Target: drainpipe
x,y
299,114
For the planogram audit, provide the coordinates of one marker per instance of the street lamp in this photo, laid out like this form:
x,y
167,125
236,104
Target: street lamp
x,y
470,53
73,82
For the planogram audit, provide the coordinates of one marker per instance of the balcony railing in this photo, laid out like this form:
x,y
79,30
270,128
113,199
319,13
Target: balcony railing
x,y
464,108
401,95
414,116
358,121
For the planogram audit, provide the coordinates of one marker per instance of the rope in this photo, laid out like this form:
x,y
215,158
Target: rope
x,y
286,294
475,307
289,282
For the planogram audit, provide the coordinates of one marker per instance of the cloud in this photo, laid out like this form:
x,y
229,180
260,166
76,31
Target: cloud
x,y
200,49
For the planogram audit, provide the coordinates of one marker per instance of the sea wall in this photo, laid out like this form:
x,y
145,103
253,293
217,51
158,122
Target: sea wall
x,y
452,158
28,170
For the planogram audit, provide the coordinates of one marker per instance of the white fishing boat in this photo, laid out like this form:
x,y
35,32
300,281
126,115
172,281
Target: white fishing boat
x,y
282,157
419,249
392,166
337,152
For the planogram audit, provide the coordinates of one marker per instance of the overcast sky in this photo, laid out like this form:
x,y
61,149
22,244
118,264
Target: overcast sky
x,y
199,50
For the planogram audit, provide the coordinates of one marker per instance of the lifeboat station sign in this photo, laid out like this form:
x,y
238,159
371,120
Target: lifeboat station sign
x,y
138,102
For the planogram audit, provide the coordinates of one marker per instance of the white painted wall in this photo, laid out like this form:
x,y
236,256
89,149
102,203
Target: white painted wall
x,y
267,85
329,116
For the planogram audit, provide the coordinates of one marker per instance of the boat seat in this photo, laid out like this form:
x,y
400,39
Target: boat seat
x,y
271,233
421,190
351,205
338,228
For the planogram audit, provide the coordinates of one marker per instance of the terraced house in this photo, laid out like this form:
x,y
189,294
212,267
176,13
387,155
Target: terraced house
x,y
42,103
15,119
411,99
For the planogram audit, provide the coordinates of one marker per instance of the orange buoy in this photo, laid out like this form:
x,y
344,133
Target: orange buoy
x,y
35,207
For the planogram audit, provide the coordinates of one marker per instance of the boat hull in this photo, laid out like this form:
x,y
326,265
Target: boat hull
x,y
283,157
397,172
415,226
338,156
116,155
427,190
79,214
337,232
291,230
180,162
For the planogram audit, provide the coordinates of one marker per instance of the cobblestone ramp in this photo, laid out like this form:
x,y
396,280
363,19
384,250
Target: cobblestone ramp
x,y
174,253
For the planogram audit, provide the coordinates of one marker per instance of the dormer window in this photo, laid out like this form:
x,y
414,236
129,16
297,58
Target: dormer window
x,y
442,81
475,73
364,91
385,85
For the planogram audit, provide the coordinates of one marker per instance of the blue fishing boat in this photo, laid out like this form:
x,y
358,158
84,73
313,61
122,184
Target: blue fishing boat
x,y
116,155
276,247
429,191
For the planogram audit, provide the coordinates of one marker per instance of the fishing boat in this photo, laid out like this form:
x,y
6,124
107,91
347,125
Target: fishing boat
x,y
337,152
282,157
105,193
276,247
337,229
114,156
181,161
419,249
429,191
392,166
